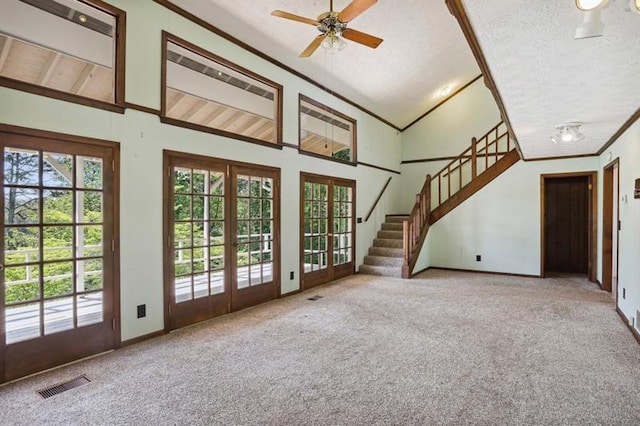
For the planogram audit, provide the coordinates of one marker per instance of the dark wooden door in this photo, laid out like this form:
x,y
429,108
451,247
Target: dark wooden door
x,y
58,302
566,224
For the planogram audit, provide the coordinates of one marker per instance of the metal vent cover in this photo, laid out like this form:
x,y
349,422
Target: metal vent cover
x,y
62,387
314,298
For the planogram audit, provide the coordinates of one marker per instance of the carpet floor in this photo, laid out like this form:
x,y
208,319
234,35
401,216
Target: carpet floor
x,y
443,348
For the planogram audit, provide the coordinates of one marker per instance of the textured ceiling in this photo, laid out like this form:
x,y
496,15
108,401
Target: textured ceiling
x,y
545,77
423,49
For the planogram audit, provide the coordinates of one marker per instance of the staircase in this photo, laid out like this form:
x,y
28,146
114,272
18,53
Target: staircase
x,y
396,249
386,255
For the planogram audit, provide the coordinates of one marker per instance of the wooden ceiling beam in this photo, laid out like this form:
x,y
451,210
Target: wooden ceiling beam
x,y
83,79
48,68
196,108
4,51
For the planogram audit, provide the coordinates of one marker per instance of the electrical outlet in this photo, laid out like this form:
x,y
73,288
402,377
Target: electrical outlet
x,y
478,258
291,275
359,220
142,311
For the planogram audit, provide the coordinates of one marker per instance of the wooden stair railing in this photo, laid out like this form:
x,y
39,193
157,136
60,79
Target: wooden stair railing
x,y
483,161
482,154
414,229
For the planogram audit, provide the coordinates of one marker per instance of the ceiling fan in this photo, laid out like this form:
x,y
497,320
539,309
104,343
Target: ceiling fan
x,y
333,26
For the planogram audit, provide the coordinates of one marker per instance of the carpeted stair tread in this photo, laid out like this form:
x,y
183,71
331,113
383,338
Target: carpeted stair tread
x,y
394,235
386,251
384,271
391,226
387,242
383,261
396,219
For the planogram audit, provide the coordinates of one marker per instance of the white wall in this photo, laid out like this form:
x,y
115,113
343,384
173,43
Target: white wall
x,y
627,150
501,222
445,132
143,138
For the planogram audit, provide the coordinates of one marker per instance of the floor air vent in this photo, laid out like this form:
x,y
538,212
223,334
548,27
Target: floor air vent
x,y
56,389
314,298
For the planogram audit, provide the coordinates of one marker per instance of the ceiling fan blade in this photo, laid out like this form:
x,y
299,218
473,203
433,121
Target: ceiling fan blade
x,y
354,9
291,16
362,38
313,46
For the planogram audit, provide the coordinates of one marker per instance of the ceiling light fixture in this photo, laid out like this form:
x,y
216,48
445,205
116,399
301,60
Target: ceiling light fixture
x,y
568,132
634,4
591,26
445,91
588,4
82,18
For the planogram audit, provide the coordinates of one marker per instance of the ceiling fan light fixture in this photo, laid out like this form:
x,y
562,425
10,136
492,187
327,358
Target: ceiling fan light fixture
x,y
587,5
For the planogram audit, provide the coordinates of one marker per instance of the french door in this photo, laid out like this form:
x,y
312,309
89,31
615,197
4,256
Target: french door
x,y
222,245
327,217
59,298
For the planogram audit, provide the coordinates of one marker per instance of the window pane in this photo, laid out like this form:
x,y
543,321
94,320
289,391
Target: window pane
x,y
206,92
57,170
21,284
21,205
21,166
58,242
58,315
325,131
90,308
89,173
21,245
81,63
57,206
22,322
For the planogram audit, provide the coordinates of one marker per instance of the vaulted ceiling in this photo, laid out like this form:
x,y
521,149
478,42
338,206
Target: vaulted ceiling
x,y
543,75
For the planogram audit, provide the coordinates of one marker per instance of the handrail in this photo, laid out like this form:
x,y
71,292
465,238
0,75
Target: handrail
x,y
490,146
414,229
486,147
375,203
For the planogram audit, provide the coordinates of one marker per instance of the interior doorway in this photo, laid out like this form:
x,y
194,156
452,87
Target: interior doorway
x,y
568,229
610,228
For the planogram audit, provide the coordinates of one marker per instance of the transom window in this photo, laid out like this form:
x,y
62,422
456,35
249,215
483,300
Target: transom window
x,y
68,49
326,132
205,92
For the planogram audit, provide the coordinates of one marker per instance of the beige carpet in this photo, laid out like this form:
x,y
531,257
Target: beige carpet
x,y
446,348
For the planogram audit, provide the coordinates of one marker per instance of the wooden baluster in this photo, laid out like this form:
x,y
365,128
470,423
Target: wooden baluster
x,y
439,189
460,176
474,166
497,146
448,182
486,153
405,240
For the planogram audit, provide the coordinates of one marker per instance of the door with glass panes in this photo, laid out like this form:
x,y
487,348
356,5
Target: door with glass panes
x,y
221,227
58,302
327,218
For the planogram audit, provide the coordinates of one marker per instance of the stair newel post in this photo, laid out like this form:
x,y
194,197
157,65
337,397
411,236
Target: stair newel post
x,y
474,163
